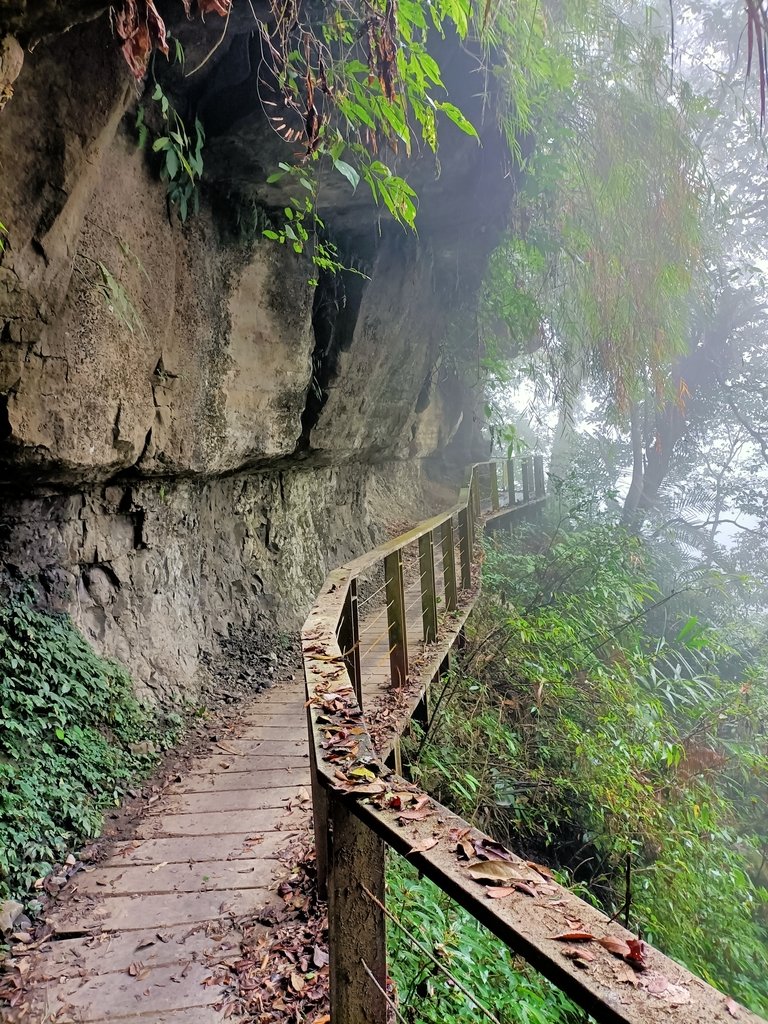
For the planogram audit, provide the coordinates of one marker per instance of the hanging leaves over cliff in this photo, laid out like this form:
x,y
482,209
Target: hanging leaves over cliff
x,y
599,275
141,30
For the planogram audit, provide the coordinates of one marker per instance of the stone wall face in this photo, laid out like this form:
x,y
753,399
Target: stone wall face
x,y
153,575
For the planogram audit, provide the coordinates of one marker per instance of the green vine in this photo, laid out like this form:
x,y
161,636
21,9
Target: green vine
x,y
69,726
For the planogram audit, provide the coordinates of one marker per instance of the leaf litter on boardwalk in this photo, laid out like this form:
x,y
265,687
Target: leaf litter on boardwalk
x,y
282,975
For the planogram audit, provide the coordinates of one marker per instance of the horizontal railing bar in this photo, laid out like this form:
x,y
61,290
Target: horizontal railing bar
x,y
527,926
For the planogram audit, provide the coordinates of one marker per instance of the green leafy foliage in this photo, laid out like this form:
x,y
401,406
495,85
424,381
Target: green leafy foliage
x,y
501,983
608,247
599,720
110,289
67,718
382,92
180,151
302,228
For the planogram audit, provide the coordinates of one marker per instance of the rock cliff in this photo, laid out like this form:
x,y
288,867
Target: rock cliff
x,y
191,433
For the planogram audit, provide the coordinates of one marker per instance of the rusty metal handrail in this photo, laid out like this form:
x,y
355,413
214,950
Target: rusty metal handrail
x,y
356,816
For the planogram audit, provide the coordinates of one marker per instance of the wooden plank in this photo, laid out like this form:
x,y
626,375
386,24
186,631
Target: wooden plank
x,y
465,548
233,846
164,910
252,799
494,485
261,760
349,638
193,876
257,779
448,552
156,991
116,951
216,823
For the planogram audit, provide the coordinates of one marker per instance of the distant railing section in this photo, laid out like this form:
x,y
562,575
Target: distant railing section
x,y
426,583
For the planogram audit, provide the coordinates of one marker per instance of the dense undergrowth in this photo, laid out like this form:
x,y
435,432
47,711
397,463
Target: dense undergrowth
x,y
600,723
67,722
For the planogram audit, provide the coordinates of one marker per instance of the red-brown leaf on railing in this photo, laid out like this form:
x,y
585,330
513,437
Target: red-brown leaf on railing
x,y
636,955
500,892
489,850
615,945
365,789
575,936
540,869
456,835
465,849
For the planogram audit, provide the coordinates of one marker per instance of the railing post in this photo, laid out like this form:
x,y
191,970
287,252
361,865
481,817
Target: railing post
x,y
474,496
526,472
494,487
539,488
511,498
395,597
349,640
449,566
465,545
428,595
319,817
356,926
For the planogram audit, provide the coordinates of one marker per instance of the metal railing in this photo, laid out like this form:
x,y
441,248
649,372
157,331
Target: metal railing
x,y
426,583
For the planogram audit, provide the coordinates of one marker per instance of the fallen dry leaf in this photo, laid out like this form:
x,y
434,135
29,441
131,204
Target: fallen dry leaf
x,y
489,850
732,1007
574,937
636,955
614,945
581,957
677,995
541,869
417,814
427,844
495,872
657,985
365,789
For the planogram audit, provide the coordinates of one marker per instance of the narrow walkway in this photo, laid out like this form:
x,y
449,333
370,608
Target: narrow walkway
x,y
140,938
147,936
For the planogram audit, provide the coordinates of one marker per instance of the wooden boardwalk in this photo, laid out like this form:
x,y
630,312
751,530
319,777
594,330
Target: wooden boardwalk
x,y
138,938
